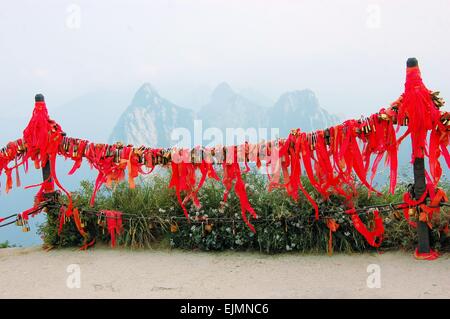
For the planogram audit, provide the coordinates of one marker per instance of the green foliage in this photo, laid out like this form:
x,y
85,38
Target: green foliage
x,y
283,224
5,244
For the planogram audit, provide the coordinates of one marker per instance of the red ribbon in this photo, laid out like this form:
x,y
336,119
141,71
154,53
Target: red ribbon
x,y
113,223
374,237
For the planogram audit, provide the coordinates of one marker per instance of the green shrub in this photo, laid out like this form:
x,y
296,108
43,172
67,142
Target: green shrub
x,y
152,214
4,244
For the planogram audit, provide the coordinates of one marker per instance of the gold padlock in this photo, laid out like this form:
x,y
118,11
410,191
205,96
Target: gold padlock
x,y
65,144
173,228
108,151
19,220
312,142
116,156
25,227
397,215
209,227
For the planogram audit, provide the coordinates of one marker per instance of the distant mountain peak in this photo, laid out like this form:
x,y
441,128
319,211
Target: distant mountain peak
x,y
148,89
150,119
146,95
300,109
222,92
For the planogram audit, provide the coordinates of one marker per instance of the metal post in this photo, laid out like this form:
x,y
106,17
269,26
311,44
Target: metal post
x,y
46,169
423,232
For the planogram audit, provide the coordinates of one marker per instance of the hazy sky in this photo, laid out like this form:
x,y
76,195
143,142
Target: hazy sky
x,y
351,53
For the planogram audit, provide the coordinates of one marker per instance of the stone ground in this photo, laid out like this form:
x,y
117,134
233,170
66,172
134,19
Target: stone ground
x,y
120,273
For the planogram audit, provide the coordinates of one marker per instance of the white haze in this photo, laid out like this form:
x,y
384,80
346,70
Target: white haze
x,y
351,53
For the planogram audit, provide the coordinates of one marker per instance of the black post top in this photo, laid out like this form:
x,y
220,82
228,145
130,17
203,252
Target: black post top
x,y
39,98
412,62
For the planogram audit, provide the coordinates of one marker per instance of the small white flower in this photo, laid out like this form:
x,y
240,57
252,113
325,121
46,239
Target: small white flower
x,y
162,210
347,233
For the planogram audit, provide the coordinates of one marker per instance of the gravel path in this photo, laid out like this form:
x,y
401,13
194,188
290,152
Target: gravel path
x,y
119,273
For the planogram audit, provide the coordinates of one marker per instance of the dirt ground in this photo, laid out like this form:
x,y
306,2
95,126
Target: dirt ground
x,y
120,273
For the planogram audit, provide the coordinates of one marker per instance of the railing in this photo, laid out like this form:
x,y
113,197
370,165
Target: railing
x,y
331,158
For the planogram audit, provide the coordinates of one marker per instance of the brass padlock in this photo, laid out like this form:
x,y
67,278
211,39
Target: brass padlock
x,y
19,220
173,228
65,144
25,227
141,155
369,126
327,136
108,151
116,156
20,147
312,142
397,215
209,227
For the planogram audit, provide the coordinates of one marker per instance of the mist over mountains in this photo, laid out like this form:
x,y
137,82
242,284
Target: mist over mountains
x,y
150,118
